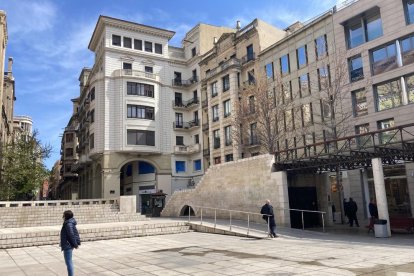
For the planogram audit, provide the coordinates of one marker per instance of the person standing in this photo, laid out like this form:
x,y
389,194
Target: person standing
x,y
269,217
69,239
373,212
352,210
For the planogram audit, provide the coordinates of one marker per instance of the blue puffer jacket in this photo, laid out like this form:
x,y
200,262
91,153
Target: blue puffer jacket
x,y
69,236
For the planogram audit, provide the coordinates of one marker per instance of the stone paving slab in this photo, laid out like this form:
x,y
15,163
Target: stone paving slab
x,y
209,254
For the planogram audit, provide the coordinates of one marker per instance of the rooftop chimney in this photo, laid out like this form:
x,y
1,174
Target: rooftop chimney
x,y
9,67
238,25
215,40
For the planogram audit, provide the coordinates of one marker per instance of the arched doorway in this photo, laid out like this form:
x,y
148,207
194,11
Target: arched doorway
x,y
187,209
139,178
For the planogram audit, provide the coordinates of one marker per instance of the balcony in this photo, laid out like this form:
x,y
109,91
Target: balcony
x,y
185,83
179,104
253,142
205,127
187,149
247,58
233,62
186,125
136,74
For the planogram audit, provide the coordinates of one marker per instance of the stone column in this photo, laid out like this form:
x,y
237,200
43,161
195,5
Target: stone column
x,y
110,183
367,196
380,193
281,203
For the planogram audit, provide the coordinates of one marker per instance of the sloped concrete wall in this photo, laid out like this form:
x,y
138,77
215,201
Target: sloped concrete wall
x,y
242,185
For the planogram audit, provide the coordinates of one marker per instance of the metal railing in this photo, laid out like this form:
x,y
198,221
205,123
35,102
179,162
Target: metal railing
x,y
249,214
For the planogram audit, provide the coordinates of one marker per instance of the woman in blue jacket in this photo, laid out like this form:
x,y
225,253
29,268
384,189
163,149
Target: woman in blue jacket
x,y
69,239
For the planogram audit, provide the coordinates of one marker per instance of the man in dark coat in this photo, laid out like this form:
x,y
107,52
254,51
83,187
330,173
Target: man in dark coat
x,y
373,212
269,217
352,210
346,209
69,239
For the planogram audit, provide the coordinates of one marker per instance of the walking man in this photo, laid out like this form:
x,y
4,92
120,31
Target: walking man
x,y
69,239
352,210
269,217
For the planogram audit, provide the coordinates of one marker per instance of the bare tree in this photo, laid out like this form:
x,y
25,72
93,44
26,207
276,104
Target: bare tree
x,y
264,115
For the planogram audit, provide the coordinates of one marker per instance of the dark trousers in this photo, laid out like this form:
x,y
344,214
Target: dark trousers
x,y
352,218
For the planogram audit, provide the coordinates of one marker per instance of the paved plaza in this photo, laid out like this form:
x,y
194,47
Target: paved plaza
x,y
193,253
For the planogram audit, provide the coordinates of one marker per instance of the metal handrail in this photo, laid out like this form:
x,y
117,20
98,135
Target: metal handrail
x,y
252,213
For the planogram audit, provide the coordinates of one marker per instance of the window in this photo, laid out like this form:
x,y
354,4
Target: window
x,y
362,140
140,137
387,136
253,139
148,46
409,11
177,78
179,140
324,78
93,94
289,122
226,83
140,89
251,105
137,44
269,70
197,165
193,52
217,160
321,46
228,157
304,85
388,95
410,88
325,110
140,112
68,152
359,100
149,69
307,116
194,77
178,99
91,141
69,137
216,136
158,48
284,64
287,92
127,42
116,40
384,59
302,57
214,89
179,123
215,113
363,29
250,52
179,166
127,66
227,108
227,136
407,50
250,77
145,168
92,116
356,72
197,139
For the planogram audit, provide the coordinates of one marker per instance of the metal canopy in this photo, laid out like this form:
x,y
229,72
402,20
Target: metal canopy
x,y
393,145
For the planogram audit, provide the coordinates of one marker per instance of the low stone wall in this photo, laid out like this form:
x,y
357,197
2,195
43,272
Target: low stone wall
x,y
242,185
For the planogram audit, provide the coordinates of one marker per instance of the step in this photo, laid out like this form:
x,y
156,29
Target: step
x,y
49,235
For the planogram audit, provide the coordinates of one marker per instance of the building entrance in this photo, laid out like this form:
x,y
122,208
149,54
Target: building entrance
x,y
303,198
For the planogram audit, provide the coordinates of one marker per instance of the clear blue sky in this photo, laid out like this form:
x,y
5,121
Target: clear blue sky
x,y
48,41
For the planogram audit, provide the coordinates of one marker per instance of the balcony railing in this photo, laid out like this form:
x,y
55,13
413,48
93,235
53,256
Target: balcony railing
x,y
231,62
187,149
185,104
180,82
135,73
248,58
186,125
253,141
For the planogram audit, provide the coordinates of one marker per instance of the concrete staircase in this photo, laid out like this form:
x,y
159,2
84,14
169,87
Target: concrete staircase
x,y
31,216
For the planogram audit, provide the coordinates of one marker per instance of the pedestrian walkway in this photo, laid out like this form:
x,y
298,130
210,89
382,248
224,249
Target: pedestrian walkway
x,y
295,252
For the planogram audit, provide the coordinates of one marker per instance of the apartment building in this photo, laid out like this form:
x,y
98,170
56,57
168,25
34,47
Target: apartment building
x,y
137,127
230,65
22,127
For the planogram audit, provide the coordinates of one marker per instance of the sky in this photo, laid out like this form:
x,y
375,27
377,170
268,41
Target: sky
x,y
48,41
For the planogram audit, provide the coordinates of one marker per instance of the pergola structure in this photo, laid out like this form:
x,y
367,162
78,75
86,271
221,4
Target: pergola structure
x,y
392,145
